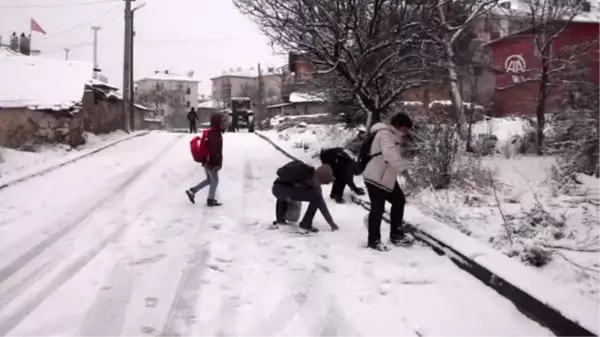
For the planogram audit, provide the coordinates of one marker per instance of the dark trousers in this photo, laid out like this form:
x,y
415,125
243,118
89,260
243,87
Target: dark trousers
x,y
338,186
378,197
285,192
192,127
343,176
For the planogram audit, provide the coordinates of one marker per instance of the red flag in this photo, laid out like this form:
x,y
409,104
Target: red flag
x,y
35,27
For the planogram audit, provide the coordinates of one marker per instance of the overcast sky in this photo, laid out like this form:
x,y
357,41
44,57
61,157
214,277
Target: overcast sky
x,y
206,36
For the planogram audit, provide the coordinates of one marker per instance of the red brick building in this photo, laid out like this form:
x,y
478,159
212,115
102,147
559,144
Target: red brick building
x,y
516,61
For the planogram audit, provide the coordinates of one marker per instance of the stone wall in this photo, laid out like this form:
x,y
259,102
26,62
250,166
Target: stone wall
x,y
23,128
101,114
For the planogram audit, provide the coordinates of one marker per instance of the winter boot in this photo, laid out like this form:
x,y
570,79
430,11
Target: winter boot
x,y
212,203
402,241
339,200
378,246
308,228
191,196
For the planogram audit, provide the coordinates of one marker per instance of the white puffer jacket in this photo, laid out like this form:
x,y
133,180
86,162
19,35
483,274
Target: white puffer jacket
x,y
383,170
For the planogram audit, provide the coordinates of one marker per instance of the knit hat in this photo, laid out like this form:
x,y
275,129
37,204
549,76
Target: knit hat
x,y
325,174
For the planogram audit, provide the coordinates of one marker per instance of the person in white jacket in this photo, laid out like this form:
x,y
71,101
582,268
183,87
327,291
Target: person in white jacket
x,y
381,179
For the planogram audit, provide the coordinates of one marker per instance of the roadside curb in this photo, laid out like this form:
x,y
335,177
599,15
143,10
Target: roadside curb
x,y
17,180
537,310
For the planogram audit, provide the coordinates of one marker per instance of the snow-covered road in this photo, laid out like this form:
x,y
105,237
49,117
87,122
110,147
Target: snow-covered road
x,y
111,246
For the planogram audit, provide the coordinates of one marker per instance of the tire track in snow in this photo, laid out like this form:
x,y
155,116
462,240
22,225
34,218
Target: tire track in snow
x,y
38,249
107,314
181,314
7,324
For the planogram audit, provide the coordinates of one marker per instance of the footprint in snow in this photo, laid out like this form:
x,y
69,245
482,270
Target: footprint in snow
x,y
151,302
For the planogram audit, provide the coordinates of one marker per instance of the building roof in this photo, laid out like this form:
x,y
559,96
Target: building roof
x,y
41,83
249,72
168,76
304,97
207,104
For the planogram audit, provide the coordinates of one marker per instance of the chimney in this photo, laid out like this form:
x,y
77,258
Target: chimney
x,y
167,72
14,42
24,45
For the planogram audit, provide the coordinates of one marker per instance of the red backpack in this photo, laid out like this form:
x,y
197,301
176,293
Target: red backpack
x,y
199,147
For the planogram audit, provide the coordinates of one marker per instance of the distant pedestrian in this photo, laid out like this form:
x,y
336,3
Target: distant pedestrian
x,y
212,164
297,181
192,117
384,163
344,168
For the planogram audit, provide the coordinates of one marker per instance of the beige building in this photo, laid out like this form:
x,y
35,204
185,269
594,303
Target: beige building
x,y
183,88
243,82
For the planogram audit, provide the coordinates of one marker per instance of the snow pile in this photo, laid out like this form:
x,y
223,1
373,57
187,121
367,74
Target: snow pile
x,y
41,83
557,235
305,97
503,128
22,162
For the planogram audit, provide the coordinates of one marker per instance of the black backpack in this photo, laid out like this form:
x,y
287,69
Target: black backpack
x,y
364,156
295,171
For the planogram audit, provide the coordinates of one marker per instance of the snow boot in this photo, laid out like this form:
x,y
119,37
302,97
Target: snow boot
x,y
304,228
378,246
402,241
191,196
212,203
339,200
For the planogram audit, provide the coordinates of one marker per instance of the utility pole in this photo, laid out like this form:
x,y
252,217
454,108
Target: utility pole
x,y
131,67
126,66
259,114
96,66
67,53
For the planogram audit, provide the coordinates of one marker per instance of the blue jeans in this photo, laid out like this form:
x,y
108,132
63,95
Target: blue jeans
x,y
212,180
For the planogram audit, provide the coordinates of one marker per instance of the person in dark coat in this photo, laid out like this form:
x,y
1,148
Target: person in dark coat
x,y
192,117
213,163
297,181
344,168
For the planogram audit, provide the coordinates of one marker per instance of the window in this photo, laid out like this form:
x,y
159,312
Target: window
x,y
586,7
505,4
188,91
179,85
187,104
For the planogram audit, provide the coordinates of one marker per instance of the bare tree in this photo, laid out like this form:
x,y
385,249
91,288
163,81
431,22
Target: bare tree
x,y
378,48
456,18
163,100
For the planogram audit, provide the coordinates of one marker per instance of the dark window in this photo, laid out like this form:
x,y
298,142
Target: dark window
x,y
188,91
586,7
188,104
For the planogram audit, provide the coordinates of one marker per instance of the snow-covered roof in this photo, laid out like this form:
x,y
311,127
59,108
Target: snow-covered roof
x,y
304,97
97,83
520,7
167,76
41,83
207,104
251,72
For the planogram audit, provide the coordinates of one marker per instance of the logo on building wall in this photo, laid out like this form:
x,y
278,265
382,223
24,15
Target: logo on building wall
x,y
515,64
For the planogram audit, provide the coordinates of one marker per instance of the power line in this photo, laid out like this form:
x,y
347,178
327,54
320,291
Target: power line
x,y
81,24
61,5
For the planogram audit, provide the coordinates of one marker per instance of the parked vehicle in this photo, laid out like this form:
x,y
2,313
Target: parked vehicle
x,y
241,114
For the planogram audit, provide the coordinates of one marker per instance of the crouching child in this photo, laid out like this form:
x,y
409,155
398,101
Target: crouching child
x,y
297,181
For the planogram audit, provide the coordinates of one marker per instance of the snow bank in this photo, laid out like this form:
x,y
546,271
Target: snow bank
x,y
41,83
503,128
20,164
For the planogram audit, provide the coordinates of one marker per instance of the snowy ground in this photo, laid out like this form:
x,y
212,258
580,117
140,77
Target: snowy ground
x,y
16,163
110,245
566,226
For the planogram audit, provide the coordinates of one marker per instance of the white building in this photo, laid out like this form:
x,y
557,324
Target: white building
x,y
243,82
183,88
